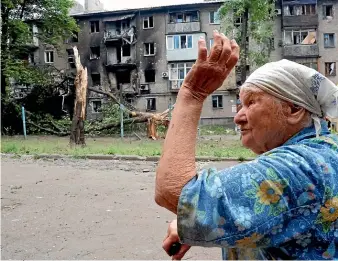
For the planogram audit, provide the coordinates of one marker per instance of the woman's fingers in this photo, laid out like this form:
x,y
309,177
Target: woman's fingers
x,y
202,50
234,55
184,249
217,48
226,51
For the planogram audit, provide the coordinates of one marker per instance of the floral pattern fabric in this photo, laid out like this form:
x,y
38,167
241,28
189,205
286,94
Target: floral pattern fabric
x,y
282,205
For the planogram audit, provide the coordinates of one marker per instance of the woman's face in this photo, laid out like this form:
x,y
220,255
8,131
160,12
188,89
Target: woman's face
x,y
261,120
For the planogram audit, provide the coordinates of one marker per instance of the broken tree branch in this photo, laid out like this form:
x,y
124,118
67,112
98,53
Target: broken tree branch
x,y
48,130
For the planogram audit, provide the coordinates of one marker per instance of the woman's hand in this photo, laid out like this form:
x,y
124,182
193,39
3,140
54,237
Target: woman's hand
x,y
171,238
209,72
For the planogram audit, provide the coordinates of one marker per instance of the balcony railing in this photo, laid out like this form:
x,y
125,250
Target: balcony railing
x,y
183,27
301,20
301,50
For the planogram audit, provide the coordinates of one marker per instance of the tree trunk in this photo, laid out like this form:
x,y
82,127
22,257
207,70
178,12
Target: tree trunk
x,y
244,47
81,82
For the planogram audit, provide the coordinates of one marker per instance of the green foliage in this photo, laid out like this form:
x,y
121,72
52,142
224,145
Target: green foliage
x,y
54,26
260,25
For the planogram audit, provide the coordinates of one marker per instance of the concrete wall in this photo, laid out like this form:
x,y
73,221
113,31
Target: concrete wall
x,y
158,61
328,26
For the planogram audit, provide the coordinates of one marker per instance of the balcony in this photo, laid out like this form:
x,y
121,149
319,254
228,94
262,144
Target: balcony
x,y
183,27
301,51
301,20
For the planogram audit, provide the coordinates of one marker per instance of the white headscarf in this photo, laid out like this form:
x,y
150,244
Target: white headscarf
x,y
300,85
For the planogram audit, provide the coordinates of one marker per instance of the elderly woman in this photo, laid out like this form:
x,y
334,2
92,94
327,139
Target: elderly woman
x,y
283,204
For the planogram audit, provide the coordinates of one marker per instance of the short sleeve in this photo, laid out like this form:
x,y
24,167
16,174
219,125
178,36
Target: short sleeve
x,y
245,206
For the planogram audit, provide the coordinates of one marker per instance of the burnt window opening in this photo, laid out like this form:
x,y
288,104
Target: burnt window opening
x,y
330,69
96,106
123,77
71,59
149,49
151,104
75,37
95,52
148,22
96,79
126,50
328,11
149,75
94,26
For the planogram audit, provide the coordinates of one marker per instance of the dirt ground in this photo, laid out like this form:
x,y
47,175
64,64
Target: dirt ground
x,y
81,209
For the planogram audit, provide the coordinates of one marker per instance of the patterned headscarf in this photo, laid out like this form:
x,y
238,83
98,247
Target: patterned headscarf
x,y
300,85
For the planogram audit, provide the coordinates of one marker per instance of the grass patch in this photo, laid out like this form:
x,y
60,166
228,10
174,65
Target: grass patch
x,y
34,145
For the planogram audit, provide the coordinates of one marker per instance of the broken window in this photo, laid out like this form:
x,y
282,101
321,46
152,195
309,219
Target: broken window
x,y
96,79
126,50
214,17
290,10
96,106
123,77
151,104
237,19
94,26
49,56
217,101
95,52
327,11
330,69
71,59
149,49
148,22
125,25
329,40
149,75
300,37
184,17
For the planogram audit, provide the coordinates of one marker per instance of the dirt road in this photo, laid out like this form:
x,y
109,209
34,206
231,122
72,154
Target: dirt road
x,y
77,209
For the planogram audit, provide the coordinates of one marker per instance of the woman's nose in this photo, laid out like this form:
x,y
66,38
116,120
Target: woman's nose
x,y
240,117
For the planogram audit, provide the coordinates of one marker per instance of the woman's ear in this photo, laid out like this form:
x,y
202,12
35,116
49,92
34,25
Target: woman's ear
x,y
296,114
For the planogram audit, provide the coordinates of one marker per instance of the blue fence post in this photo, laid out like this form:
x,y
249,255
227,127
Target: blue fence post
x,y
24,121
121,119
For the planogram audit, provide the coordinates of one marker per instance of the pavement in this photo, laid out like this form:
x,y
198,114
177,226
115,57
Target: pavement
x,y
84,209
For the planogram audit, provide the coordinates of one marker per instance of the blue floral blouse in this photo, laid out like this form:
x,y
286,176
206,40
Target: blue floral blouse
x,y
282,205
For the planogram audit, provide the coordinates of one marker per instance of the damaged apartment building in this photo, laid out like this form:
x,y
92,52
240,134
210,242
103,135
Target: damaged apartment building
x,y
143,55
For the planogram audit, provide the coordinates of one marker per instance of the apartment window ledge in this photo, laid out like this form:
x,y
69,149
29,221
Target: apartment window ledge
x,y
148,28
329,47
149,55
218,108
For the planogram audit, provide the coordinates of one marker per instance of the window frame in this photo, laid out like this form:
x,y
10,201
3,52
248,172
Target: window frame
x,y
334,40
147,18
324,11
335,69
92,106
48,56
186,67
218,101
299,31
214,12
91,55
96,26
180,41
145,48
150,98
